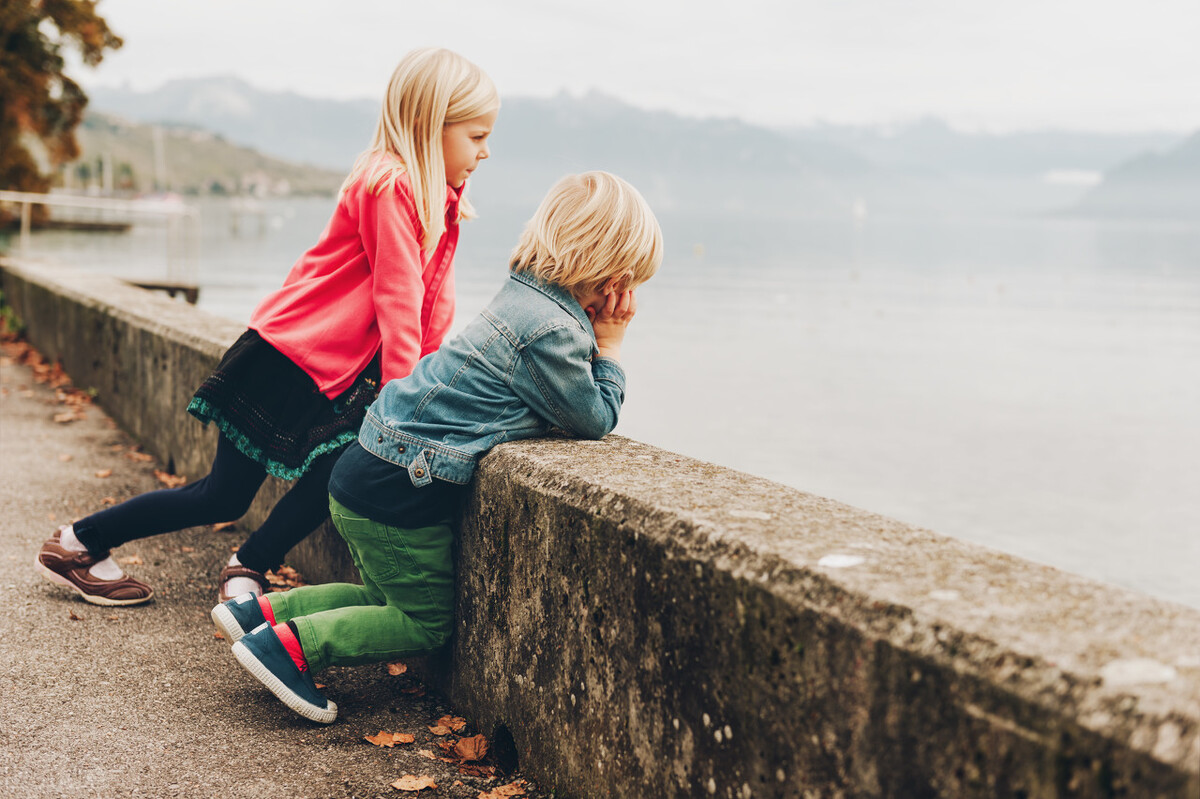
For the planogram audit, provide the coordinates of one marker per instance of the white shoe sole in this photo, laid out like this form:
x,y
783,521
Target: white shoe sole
x,y
227,624
58,579
250,663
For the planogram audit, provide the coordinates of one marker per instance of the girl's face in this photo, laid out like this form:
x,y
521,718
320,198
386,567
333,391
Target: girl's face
x,y
464,145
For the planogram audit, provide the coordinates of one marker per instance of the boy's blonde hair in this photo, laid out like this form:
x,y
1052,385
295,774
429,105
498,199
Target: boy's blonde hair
x,y
430,88
589,228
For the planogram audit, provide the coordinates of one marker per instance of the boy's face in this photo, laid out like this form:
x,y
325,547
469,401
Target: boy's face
x,y
464,145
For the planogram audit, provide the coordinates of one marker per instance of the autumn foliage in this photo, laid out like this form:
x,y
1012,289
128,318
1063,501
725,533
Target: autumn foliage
x,y
39,101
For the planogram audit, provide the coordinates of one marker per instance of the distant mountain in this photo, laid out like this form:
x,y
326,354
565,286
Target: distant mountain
x,y
1163,185
931,147
326,133
710,166
193,161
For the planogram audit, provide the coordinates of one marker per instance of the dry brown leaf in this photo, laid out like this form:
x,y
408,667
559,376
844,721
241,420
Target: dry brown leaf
x,y
219,526
455,723
218,636
131,560
50,515
73,617
66,416
382,739
108,501
413,690
396,669
188,549
170,480
456,783
473,748
410,782
113,618
320,686
104,473
403,737
65,457
505,791
141,457
440,730
427,753
482,772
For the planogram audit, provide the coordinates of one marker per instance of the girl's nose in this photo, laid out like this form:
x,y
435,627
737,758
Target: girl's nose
x,y
484,152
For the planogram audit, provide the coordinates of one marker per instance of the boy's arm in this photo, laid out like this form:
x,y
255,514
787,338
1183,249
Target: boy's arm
x,y
565,386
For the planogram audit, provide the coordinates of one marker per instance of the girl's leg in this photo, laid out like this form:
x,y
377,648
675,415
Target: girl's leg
x,y
411,569
300,511
223,495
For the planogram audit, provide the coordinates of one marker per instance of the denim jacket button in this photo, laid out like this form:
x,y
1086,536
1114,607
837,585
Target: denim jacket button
x,y
379,440
419,472
400,448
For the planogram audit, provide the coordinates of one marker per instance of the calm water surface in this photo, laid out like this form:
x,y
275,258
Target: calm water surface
x,y
1028,384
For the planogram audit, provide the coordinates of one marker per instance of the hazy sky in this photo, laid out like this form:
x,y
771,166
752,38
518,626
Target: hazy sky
x,y
981,64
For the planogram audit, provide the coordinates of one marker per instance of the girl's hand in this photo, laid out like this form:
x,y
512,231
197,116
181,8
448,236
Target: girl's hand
x,y
610,320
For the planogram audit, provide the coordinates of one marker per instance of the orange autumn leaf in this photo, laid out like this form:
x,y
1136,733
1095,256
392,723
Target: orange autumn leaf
x,y
477,771
131,560
402,738
410,782
473,748
170,480
439,730
108,501
142,457
218,636
73,617
320,686
104,473
505,791
396,669
65,457
426,753
382,739
219,526
455,723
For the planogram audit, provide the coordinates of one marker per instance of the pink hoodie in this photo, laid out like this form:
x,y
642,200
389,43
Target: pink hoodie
x,y
363,286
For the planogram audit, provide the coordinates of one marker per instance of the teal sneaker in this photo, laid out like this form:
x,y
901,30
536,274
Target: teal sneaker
x,y
263,655
238,616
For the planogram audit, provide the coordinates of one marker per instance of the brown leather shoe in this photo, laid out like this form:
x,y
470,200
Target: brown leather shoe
x,y
64,567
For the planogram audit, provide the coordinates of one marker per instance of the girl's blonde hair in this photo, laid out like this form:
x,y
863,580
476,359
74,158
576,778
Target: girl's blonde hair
x,y
590,228
431,88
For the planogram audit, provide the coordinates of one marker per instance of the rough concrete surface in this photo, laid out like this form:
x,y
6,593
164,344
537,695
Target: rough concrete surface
x,y
642,624
144,701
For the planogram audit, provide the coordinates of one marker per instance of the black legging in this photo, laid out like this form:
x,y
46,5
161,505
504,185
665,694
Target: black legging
x,y
223,495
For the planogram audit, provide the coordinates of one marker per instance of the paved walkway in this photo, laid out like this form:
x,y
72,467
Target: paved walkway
x,y
144,701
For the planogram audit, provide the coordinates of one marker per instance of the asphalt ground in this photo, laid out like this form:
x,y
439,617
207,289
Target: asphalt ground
x,y
146,701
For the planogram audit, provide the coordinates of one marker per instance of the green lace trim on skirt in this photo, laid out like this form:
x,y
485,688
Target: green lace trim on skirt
x,y
206,413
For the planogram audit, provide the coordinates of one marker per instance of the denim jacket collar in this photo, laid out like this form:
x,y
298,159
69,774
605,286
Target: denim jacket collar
x,y
561,296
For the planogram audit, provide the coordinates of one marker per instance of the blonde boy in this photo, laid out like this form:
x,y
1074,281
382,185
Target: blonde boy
x,y
543,354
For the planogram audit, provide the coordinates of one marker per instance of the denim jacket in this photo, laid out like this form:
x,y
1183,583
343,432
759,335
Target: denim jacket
x,y
521,367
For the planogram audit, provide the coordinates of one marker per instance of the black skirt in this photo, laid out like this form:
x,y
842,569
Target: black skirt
x,y
273,412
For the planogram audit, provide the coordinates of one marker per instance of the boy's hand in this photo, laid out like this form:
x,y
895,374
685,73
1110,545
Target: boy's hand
x,y
610,321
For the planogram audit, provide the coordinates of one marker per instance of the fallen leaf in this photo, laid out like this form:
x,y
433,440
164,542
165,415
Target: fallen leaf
x,y
456,783
473,748
477,771
413,690
396,669
439,730
65,457
410,782
66,416
104,473
320,686
188,549
218,635
130,560
455,723
170,480
219,526
382,739
504,791
427,753
50,515
113,618
108,501
73,617
403,738
143,457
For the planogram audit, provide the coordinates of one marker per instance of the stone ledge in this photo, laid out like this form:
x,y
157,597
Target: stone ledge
x,y
643,624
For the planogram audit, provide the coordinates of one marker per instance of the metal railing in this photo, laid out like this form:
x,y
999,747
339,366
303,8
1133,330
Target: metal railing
x,y
182,221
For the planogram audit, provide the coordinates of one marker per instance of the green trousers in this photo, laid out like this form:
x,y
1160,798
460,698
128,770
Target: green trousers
x,y
404,607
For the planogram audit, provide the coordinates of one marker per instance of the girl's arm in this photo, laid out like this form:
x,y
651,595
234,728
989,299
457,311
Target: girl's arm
x,y
391,237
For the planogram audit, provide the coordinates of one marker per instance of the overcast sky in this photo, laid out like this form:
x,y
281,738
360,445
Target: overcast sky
x,y
980,64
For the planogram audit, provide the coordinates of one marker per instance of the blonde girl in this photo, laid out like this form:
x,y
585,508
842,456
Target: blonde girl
x,y
373,295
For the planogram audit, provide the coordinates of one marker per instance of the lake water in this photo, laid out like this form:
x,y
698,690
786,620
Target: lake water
x,y
1028,384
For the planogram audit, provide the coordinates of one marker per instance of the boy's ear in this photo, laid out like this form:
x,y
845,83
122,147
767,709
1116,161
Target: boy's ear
x,y
617,283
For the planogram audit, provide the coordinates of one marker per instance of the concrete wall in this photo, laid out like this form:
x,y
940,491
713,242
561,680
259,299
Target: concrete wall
x,y
636,623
